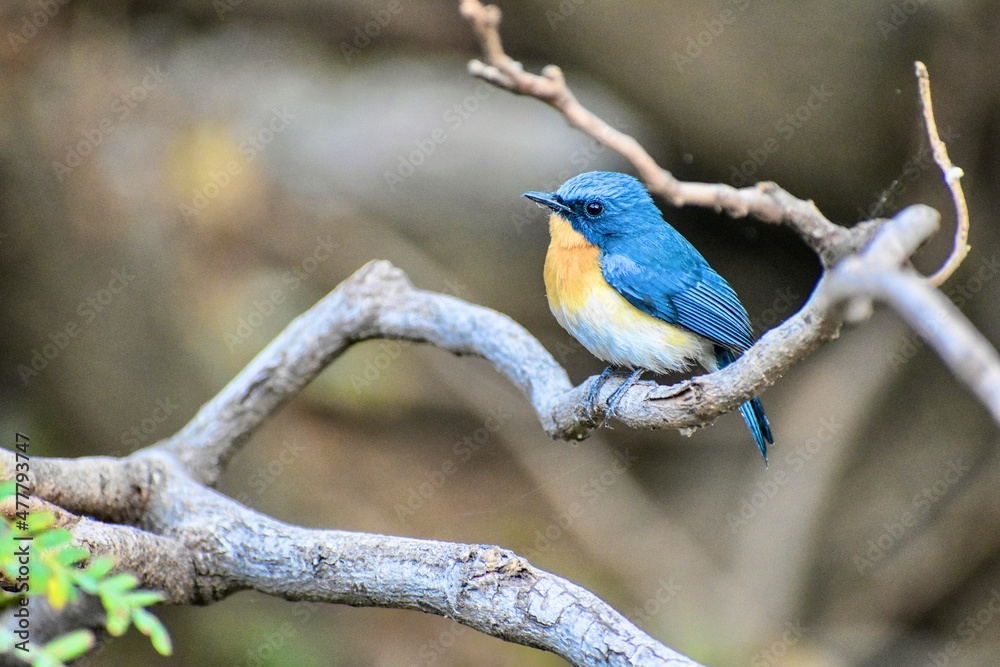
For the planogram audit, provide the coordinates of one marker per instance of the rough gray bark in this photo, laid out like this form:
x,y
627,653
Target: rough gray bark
x,y
156,511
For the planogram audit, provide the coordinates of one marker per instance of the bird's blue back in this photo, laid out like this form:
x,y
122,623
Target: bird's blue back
x,y
650,264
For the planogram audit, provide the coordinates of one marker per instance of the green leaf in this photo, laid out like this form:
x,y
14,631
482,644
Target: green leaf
x,y
119,619
8,546
69,556
144,598
118,583
40,575
100,566
87,583
151,626
70,646
39,521
52,538
7,489
143,621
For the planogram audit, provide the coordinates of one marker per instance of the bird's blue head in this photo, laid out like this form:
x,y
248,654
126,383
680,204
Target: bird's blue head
x,y
602,205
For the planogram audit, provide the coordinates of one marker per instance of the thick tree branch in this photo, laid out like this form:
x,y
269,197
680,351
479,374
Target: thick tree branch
x,y
204,546
156,512
200,546
378,301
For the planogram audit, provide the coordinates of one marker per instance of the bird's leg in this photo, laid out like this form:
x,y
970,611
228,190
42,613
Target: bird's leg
x,y
616,397
595,389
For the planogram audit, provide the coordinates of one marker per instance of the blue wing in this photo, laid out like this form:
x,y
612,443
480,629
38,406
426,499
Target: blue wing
x,y
670,280
667,278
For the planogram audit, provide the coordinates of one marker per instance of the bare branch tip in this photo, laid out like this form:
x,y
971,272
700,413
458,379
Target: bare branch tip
x,y
492,16
952,177
491,74
381,271
554,73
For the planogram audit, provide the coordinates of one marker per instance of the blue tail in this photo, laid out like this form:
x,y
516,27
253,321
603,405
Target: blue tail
x,y
752,410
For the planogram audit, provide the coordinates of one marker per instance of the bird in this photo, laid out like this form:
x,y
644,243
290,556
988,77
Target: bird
x,y
635,293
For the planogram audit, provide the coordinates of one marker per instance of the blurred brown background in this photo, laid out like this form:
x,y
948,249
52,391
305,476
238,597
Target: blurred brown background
x,y
178,180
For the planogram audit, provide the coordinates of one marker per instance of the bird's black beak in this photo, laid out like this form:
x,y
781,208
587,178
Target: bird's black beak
x,y
548,200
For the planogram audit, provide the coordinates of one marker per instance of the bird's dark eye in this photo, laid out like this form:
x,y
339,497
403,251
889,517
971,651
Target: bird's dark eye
x,y
594,208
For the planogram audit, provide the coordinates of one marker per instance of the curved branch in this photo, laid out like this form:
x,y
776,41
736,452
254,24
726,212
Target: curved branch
x,y
952,178
379,302
180,536
485,587
200,546
971,358
210,546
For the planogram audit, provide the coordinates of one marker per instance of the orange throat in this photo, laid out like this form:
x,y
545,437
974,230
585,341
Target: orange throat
x,y
571,266
604,322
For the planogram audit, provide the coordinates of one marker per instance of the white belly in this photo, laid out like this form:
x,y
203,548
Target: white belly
x,y
615,331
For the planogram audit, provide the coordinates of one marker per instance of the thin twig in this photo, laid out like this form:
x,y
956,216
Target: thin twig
x,y
952,177
765,201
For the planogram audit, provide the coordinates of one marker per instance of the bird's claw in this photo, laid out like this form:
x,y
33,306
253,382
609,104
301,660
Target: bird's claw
x,y
619,393
595,389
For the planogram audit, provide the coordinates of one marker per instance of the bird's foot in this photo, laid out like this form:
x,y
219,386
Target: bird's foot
x,y
616,397
595,389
